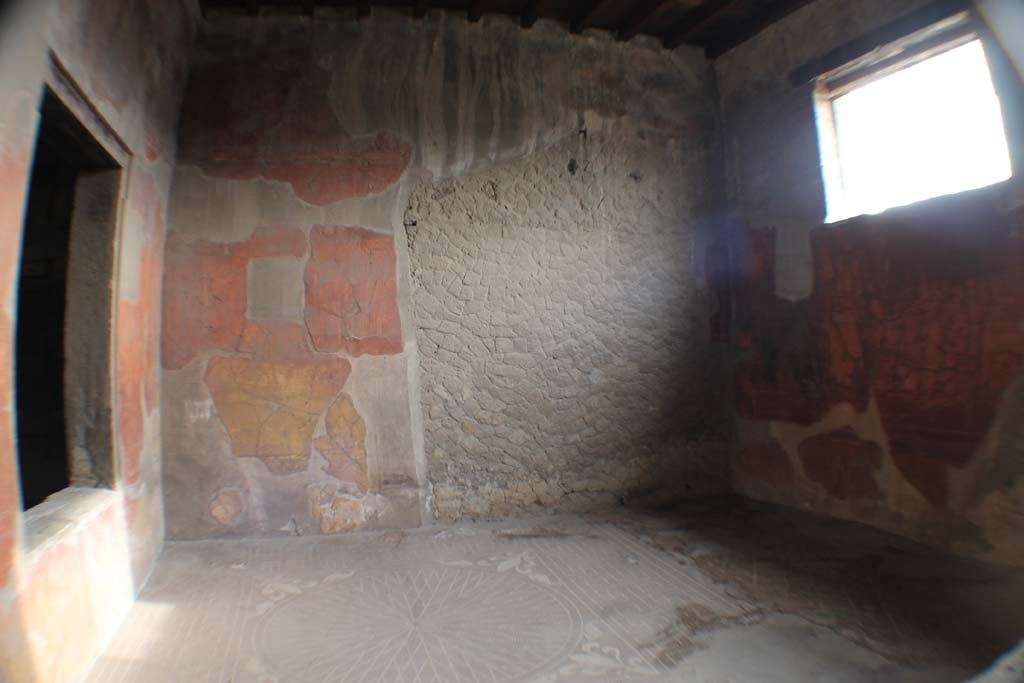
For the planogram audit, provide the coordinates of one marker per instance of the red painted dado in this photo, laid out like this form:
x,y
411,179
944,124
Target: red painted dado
x,y
843,464
137,319
13,180
919,308
205,294
131,378
352,291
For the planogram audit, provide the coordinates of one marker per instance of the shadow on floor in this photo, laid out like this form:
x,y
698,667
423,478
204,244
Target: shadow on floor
x,y
901,599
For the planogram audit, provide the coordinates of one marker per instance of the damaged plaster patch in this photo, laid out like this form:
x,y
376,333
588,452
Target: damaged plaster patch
x,y
690,631
761,466
227,210
334,511
382,400
997,504
226,508
877,474
344,446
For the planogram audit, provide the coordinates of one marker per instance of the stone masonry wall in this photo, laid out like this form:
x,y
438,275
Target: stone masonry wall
x,y
291,366
562,331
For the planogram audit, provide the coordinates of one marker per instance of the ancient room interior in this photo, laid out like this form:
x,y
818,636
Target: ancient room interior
x,y
545,341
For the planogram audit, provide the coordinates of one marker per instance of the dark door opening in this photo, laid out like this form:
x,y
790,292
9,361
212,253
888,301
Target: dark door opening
x,y
66,155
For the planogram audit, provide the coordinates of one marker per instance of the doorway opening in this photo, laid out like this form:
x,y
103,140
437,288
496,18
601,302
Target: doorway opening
x,y
63,345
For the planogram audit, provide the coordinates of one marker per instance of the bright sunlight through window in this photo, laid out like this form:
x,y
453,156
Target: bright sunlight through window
x,y
930,129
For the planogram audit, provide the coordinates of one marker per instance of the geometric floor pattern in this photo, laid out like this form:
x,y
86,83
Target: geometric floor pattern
x,y
548,600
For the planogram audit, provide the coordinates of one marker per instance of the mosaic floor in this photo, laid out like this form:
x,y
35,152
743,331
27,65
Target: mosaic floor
x,y
544,600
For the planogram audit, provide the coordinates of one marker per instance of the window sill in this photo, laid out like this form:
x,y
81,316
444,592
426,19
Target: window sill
x,y
61,515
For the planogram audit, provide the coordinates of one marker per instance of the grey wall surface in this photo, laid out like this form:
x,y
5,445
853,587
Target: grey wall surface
x,y
769,132
588,281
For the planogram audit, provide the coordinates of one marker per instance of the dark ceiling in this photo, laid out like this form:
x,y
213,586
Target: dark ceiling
x,y
715,25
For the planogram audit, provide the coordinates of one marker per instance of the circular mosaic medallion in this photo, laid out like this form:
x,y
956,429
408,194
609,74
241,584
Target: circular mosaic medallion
x,y
440,624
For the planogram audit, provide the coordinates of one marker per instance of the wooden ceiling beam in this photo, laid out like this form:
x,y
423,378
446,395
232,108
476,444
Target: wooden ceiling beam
x,y
697,18
899,28
636,19
702,24
531,12
586,19
775,12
